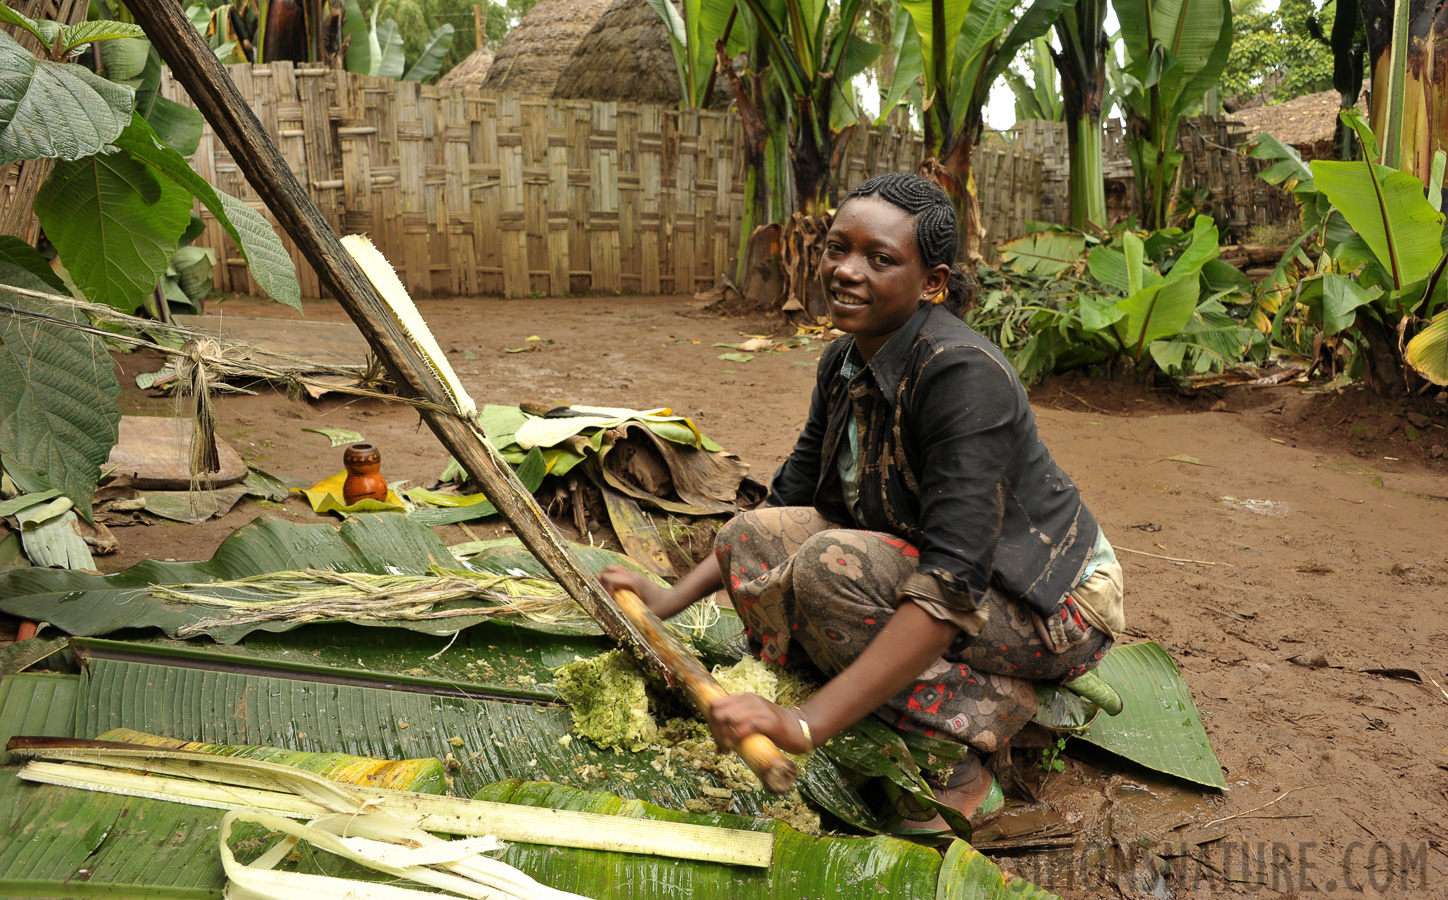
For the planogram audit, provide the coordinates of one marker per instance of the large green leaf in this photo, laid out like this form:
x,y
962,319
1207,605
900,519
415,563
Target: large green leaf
x,y
389,61
68,843
1160,728
1387,208
1035,22
937,60
16,252
44,30
909,61
1044,253
429,61
74,36
803,866
1341,298
361,42
179,127
36,704
494,740
114,223
71,843
373,544
1156,312
1427,352
1201,248
264,252
58,412
52,110
96,605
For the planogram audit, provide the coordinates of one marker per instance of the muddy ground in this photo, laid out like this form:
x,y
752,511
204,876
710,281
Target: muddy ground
x,y
1302,525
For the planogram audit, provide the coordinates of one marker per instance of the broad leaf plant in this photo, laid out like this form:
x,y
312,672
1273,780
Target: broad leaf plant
x,y
117,206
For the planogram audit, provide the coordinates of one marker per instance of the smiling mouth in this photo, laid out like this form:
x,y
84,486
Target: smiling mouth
x,y
843,299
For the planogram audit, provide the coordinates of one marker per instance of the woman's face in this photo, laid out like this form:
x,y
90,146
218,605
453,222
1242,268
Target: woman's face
x,y
872,271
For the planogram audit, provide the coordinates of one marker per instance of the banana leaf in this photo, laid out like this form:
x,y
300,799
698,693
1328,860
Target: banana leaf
x,y
67,843
803,866
423,776
73,843
490,740
36,704
87,604
1160,727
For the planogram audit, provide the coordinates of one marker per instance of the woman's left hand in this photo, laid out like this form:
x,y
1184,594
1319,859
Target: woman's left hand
x,y
737,716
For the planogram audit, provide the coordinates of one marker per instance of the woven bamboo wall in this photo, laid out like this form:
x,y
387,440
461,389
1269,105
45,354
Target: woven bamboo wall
x,y
1212,158
472,193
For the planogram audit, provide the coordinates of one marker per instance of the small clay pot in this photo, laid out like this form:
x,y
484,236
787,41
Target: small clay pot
x,y
364,480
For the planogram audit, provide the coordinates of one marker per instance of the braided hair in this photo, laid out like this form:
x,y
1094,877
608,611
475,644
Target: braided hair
x,y
936,231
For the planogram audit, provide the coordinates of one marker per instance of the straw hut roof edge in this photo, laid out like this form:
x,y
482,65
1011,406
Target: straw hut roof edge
x,y
471,72
534,53
626,56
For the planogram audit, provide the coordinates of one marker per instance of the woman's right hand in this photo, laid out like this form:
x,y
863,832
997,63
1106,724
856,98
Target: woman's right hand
x,y
661,601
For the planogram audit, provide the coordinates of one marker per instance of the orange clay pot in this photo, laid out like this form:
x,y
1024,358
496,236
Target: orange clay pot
x,y
364,480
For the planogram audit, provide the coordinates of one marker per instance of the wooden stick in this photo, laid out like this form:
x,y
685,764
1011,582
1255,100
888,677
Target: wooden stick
x,y
758,752
196,67
1175,559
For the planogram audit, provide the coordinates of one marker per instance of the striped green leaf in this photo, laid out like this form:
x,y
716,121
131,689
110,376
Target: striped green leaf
x,y
1161,727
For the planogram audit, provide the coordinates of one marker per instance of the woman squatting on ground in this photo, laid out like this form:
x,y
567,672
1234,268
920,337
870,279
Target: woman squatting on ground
x,y
919,547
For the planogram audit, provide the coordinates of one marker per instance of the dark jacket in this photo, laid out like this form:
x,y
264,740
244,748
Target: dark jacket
x,y
949,460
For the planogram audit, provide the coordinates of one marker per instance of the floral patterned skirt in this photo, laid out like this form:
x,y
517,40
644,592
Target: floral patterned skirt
x,y
805,585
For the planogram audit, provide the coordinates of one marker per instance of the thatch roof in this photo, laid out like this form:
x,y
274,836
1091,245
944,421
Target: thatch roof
x,y
1302,121
625,56
471,72
534,53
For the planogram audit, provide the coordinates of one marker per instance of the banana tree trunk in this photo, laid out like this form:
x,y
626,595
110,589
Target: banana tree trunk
x,y
1347,72
1088,181
952,171
1424,126
1081,63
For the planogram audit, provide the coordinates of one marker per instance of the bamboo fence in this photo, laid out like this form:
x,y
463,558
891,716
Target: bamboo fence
x,y
1212,154
472,193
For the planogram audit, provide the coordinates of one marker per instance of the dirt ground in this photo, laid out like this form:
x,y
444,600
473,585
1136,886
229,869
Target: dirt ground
x,y
1255,528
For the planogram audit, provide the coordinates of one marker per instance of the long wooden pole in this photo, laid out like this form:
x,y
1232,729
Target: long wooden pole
x,y
196,67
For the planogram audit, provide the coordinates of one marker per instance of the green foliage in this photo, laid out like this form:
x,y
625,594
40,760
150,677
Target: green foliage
x,y
115,223
1051,757
380,49
1038,97
54,110
117,206
692,36
58,411
263,251
1175,53
815,55
1275,56
965,46
1379,270
1163,303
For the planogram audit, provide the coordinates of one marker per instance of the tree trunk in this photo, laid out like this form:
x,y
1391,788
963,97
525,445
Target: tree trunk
x,y
953,173
1383,364
1081,63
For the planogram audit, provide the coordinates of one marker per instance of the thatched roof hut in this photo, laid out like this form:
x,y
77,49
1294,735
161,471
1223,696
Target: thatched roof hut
x,y
471,72
1306,123
534,53
626,56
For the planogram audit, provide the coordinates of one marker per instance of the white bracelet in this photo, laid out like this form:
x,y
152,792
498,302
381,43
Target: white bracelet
x,y
808,738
